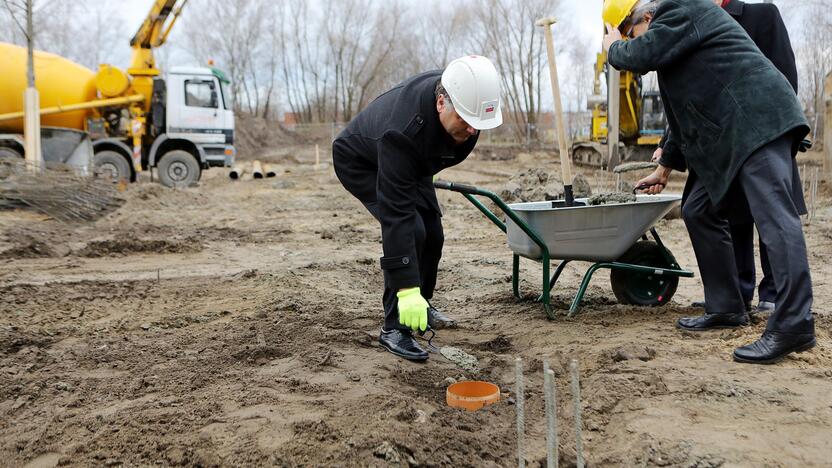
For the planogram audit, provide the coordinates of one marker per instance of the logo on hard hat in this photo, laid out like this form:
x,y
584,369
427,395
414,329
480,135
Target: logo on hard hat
x,y
489,109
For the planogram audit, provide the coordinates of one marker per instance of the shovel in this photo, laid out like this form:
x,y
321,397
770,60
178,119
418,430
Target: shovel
x,y
565,164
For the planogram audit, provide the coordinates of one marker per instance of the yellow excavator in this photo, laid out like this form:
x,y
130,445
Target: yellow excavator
x,y
179,122
641,120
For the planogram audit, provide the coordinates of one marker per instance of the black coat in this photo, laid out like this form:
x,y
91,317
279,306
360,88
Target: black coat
x,y
387,157
764,25
722,97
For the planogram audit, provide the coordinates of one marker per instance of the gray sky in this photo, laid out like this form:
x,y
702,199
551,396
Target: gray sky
x,y
586,14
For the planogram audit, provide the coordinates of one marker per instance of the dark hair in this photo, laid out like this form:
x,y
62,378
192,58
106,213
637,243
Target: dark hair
x,y
439,90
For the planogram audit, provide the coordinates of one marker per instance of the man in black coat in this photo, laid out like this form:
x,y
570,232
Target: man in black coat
x,y
736,123
764,25
387,157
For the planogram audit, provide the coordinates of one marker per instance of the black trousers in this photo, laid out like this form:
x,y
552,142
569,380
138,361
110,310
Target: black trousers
x,y
429,241
742,235
765,180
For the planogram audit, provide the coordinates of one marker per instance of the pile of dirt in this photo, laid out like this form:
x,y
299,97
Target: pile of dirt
x,y
496,153
538,184
30,247
256,135
153,195
121,247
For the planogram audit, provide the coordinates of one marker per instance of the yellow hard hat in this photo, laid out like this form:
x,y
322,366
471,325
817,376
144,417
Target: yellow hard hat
x,y
616,11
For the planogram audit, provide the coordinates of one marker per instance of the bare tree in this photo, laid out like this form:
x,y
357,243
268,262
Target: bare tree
x,y
505,31
88,32
360,42
237,46
814,55
304,73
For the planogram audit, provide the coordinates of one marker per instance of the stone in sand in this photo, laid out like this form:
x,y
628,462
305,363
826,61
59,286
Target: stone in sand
x,y
459,357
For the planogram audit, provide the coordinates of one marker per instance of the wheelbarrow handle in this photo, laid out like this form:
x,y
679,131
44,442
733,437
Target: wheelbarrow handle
x,y
457,187
469,192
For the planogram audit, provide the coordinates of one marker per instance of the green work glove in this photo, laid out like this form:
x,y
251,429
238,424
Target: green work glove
x,y
413,309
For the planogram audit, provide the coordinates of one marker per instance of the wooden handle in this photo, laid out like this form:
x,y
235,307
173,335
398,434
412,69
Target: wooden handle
x,y
565,163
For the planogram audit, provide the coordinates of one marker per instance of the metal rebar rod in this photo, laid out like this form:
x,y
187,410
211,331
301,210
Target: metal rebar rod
x,y
521,417
551,418
815,180
576,398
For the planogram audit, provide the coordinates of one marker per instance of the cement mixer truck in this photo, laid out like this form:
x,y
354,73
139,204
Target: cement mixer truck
x,y
180,122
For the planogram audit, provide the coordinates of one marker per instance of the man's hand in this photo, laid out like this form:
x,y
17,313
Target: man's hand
x,y
413,309
656,181
657,155
613,34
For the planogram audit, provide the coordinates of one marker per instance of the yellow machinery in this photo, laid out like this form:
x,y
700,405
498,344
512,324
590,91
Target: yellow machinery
x,y
124,113
641,120
61,82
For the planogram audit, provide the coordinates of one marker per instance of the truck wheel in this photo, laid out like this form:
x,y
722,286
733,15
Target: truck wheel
x,y
179,168
112,165
643,289
8,154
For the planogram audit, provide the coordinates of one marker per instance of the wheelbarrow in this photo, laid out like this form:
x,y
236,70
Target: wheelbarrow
x,y
612,236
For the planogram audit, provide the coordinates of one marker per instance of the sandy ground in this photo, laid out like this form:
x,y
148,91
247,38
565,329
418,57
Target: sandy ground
x,y
235,323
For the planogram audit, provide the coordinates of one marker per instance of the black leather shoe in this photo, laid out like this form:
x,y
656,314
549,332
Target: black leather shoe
x,y
774,346
402,344
712,321
701,305
764,307
437,320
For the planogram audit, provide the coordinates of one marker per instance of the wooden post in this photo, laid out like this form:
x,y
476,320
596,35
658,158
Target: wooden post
x,y
827,130
31,99
613,116
317,156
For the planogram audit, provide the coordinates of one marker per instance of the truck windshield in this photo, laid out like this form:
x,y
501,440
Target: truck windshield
x,y
226,95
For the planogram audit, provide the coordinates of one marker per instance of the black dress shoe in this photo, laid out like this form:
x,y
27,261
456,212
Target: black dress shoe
x,y
701,305
437,320
712,321
764,307
402,344
774,346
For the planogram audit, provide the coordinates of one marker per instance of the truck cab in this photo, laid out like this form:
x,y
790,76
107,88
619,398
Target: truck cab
x,y
199,110
191,125
189,128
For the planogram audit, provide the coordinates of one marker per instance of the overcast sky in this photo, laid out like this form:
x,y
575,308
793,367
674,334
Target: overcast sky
x,y
585,14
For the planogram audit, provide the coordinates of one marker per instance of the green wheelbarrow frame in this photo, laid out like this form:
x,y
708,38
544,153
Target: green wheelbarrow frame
x,y
470,192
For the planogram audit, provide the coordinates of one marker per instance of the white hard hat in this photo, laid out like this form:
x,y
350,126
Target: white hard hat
x,y
473,84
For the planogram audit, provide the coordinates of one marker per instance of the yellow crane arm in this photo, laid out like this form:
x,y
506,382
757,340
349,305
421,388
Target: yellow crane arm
x,y
77,107
153,33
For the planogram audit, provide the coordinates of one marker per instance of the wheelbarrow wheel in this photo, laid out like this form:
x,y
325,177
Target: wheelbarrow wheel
x,y
643,289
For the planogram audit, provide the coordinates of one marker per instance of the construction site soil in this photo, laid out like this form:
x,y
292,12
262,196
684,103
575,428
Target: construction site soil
x,y
235,323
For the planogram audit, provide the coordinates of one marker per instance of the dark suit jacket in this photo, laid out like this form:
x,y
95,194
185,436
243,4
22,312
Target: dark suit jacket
x,y
764,25
723,98
387,157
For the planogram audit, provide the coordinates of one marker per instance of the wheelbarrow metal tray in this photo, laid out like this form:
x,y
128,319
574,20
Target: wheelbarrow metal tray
x,y
599,233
